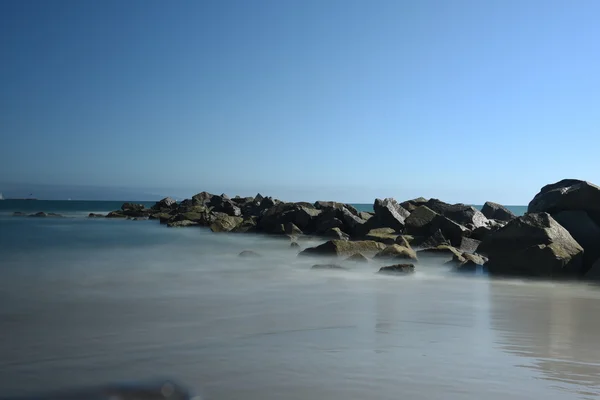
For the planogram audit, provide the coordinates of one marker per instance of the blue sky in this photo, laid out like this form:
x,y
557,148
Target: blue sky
x,y
349,100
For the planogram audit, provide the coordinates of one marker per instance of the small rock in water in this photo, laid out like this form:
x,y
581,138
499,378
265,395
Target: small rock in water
x,y
39,215
398,269
249,254
294,244
93,215
328,266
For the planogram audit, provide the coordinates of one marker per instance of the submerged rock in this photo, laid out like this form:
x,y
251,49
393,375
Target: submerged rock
x,y
345,248
357,258
294,245
337,233
328,266
534,245
182,224
398,269
116,214
249,254
94,215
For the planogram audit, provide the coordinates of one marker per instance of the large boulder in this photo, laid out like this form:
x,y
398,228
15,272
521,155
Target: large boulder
x,y
225,223
497,211
421,221
165,204
345,248
460,213
247,225
534,245
568,194
134,210
412,205
202,199
396,251
327,221
225,205
442,251
352,223
336,233
585,231
390,214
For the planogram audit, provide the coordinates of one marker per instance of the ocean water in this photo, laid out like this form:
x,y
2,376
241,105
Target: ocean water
x,y
90,301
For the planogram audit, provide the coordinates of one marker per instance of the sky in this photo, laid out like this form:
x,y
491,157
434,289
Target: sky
x,y
462,100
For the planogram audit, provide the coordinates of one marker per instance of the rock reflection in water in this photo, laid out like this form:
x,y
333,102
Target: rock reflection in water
x,y
553,324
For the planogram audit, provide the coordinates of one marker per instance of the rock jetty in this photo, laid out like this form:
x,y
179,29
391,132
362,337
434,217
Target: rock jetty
x,y
556,239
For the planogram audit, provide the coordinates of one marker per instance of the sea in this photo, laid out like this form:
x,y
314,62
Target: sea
x,y
84,302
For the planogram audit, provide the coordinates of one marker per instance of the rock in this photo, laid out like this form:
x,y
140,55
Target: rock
x,y
337,233
585,231
182,224
442,251
459,213
481,233
365,215
132,207
240,201
325,205
116,214
451,230
534,245
249,254
291,229
247,225
39,215
352,223
594,272
327,221
345,248
202,199
328,266
467,263
225,223
565,195
94,215
421,222
390,214
165,204
19,214
383,235
357,258
275,217
398,269
140,219
496,211
160,216
305,217
294,245
225,205
404,240
435,240
397,252
413,204
469,245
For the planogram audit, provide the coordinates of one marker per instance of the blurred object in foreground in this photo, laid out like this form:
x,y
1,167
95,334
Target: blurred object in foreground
x,y
162,390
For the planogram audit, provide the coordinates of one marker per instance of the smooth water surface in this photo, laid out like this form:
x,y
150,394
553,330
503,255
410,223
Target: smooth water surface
x,y
84,302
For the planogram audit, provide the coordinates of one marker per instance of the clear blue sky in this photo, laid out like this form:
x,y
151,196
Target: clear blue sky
x,y
349,100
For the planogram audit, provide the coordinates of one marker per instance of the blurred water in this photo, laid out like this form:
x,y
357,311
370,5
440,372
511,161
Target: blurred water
x,y
84,302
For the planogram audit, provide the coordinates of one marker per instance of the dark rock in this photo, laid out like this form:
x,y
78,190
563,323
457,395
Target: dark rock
x,y
202,199
390,214
275,217
327,221
337,233
225,223
132,207
165,204
496,211
294,244
328,266
481,233
421,222
249,254
585,231
396,251
258,198
534,245
39,215
240,201
160,216
568,194
116,214
459,213
383,235
435,240
352,223
594,272
413,204
19,214
451,230
345,248
291,229
398,269
225,205
140,219
467,263
182,224
357,258
305,217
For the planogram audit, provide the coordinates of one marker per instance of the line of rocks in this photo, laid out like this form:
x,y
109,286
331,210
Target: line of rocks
x,y
558,237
